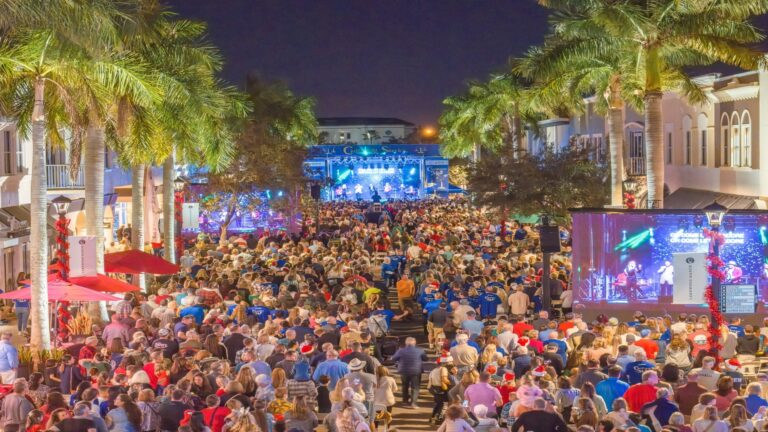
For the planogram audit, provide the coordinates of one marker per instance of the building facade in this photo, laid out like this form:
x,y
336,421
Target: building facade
x,y
363,130
712,151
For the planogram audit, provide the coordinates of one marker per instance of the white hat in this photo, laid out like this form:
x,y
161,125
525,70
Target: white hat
x,y
356,365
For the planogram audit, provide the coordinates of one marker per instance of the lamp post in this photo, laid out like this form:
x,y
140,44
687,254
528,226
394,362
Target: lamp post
x,y
715,214
61,203
178,200
630,187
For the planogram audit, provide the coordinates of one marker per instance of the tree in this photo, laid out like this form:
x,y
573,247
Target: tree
x,y
269,152
660,38
563,180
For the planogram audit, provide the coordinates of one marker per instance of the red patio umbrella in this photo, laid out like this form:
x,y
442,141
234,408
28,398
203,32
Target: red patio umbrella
x,y
135,261
104,283
59,291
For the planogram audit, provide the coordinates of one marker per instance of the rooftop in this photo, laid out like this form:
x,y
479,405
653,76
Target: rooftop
x,y
361,121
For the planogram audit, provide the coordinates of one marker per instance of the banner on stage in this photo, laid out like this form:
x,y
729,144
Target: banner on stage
x,y
190,213
82,256
690,278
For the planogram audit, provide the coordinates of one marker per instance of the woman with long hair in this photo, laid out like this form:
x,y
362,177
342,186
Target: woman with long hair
x,y
724,394
710,422
55,417
300,416
678,352
386,387
197,422
349,419
125,417
201,386
247,377
279,378
588,391
213,345
37,390
150,417
585,413
739,418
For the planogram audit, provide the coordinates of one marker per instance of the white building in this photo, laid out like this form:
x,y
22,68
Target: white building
x,y
363,130
712,151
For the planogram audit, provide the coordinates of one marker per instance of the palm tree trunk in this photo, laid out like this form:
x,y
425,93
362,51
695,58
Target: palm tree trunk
x,y
169,213
94,203
41,336
654,151
616,142
137,214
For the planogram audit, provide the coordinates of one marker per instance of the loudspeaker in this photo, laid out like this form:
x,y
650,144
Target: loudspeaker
x,y
314,190
550,239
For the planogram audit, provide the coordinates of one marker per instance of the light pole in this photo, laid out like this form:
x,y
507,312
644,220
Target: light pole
x,y
178,200
61,203
630,187
715,214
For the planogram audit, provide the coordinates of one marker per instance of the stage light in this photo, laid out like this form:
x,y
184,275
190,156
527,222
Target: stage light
x,y
279,193
412,171
763,228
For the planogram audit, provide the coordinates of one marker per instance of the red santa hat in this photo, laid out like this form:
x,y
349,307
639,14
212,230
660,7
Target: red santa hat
x,y
307,349
733,364
540,371
491,369
523,341
509,376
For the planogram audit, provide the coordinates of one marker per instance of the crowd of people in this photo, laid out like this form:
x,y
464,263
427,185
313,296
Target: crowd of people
x,y
285,333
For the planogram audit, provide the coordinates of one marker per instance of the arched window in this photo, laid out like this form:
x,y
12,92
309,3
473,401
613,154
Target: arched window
x,y
687,143
746,139
735,140
725,145
703,151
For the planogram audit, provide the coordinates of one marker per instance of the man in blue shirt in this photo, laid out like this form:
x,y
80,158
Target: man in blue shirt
x,y
736,327
433,305
633,373
197,311
388,270
471,325
9,359
612,388
261,312
488,303
388,314
334,368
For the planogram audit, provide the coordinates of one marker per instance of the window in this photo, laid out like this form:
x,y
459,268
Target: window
x,y
7,168
669,148
725,128
687,147
736,160
703,158
19,158
746,140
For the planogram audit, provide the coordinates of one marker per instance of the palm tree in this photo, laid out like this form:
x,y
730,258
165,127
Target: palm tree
x,y
660,38
40,77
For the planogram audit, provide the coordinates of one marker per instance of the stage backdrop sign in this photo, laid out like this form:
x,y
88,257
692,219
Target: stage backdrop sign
x,y
82,256
190,213
690,277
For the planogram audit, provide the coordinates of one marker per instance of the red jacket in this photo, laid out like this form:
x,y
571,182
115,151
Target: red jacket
x,y
212,417
639,395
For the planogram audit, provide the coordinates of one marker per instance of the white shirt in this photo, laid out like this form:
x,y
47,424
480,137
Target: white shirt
x,y
567,298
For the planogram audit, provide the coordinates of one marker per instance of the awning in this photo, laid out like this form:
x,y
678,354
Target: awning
x,y
22,214
528,220
123,193
689,199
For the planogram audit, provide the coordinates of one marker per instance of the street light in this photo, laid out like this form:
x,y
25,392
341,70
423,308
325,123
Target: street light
x,y
62,205
715,213
178,200
179,184
630,185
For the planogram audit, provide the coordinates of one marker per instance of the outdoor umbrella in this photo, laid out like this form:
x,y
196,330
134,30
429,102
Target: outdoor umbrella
x,y
104,283
59,291
135,261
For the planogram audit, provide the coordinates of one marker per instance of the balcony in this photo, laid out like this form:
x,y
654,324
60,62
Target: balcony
x,y
636,166
59,178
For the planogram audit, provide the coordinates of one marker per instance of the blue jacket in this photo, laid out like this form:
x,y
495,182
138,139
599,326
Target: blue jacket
x,y
661,409
634,371
611,389
410,360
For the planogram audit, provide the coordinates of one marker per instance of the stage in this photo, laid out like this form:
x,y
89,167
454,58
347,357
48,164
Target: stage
x,y
391,171
656,260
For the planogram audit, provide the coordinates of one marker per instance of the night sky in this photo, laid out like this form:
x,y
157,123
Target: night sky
x,y
389,58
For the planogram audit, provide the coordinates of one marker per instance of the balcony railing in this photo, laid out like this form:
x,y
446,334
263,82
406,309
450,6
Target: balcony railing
x,y
637,166
59,178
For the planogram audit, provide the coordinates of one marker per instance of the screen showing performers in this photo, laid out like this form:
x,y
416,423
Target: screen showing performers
x,y
624,259
364,181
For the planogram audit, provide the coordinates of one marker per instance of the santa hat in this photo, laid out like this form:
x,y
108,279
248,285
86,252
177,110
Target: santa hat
x,y
445,360
733,364
307,349
523,341
509,376
491,369
540,371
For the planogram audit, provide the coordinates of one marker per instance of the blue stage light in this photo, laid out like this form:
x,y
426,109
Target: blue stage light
x,y
412,171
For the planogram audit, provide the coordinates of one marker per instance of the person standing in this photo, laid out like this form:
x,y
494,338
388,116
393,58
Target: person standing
x,y
519,302
15,407
405,291
9,359
21,309
539,420
410,361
